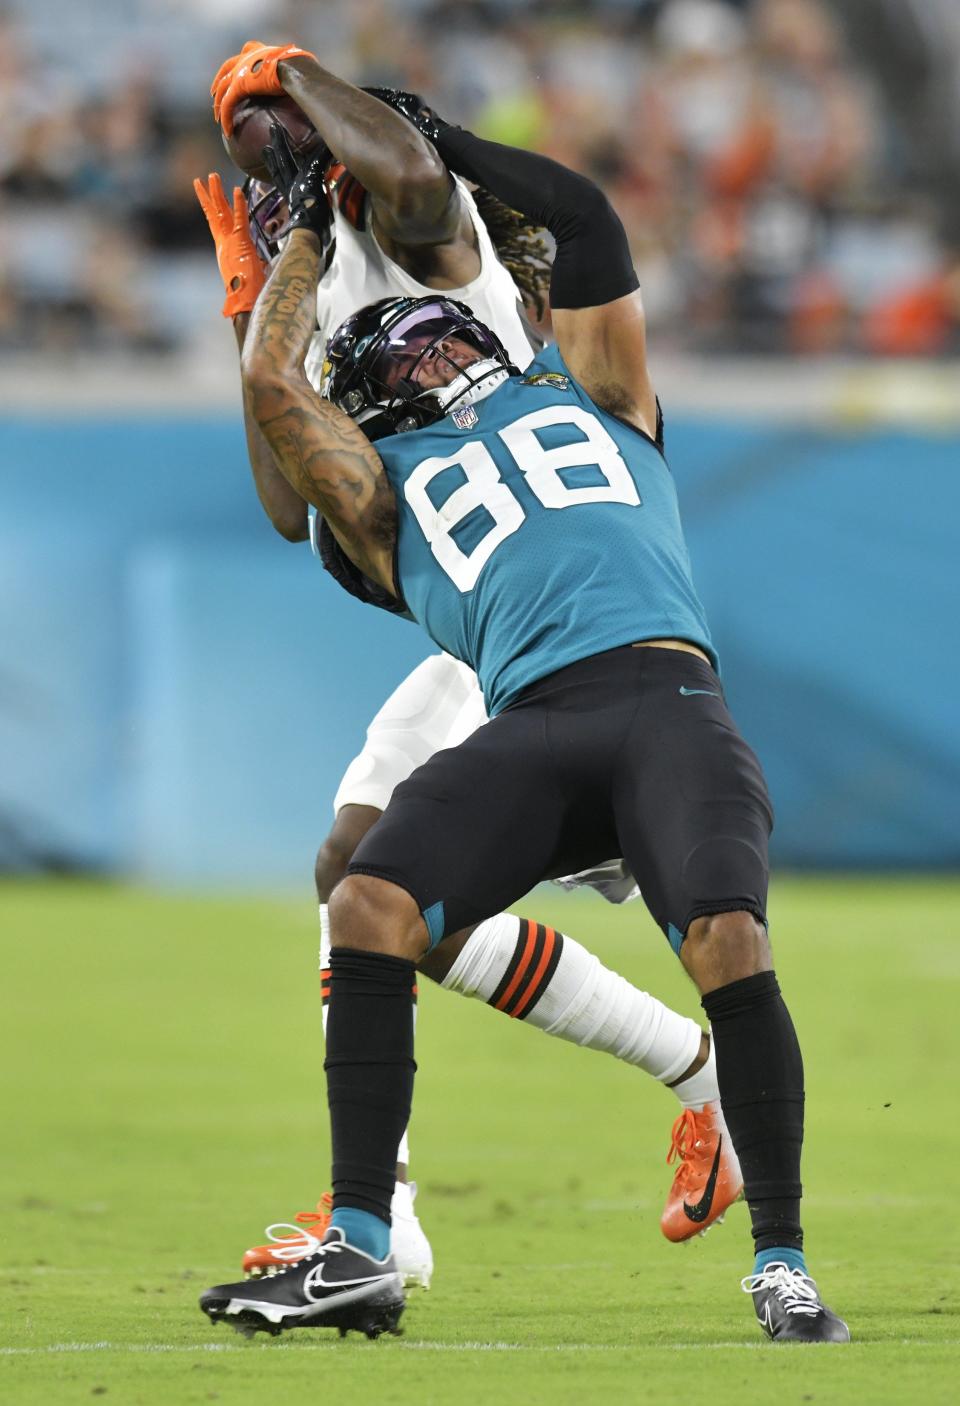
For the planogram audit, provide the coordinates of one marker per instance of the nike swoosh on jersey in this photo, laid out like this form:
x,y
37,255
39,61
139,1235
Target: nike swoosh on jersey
x,y
701,1210
688,692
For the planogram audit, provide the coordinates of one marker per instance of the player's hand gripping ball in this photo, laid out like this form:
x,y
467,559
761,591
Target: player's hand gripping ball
x,y
240,267
251,73
302,182
252,120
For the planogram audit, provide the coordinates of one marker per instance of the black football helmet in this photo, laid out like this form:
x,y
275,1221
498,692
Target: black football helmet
x,y
403,363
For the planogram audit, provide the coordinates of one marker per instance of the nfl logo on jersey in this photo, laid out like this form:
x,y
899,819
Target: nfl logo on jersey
x,y
465,418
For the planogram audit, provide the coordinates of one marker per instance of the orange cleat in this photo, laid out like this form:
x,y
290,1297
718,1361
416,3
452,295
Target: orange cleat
x,y
288,1249
708,1179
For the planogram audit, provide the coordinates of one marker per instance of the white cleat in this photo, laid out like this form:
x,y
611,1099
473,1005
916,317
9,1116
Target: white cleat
x,y
409,1246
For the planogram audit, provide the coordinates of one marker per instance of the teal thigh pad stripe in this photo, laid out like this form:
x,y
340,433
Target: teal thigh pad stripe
x,y
434,919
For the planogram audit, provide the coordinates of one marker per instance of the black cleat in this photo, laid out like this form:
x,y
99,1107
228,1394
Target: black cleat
x,y
788,1307
336,1287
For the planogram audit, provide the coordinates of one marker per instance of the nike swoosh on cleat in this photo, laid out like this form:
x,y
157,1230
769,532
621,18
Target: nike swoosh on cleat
x,y
315,1280
701,1210
689,692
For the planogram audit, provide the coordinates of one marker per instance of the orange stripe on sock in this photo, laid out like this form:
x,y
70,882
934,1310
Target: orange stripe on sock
x,y
528,995
524,963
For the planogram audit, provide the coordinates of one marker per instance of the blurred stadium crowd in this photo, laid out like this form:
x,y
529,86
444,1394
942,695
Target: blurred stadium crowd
x,y
787,169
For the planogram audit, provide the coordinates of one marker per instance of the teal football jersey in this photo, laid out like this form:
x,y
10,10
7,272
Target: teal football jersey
x,y
535,529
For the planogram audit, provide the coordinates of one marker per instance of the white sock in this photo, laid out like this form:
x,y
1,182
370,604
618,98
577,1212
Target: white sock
x,y
403,1151
701,1088
547,979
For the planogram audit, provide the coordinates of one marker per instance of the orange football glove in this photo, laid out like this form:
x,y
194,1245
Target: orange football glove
x,y
253,74
228,65
239,263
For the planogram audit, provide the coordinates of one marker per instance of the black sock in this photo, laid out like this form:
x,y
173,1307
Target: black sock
x,y
370,1069
760,1074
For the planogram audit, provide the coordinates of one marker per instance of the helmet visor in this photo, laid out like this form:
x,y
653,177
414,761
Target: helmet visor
x,y
269,217
427,348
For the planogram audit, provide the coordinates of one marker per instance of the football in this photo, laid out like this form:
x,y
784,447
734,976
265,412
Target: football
x,y
251,131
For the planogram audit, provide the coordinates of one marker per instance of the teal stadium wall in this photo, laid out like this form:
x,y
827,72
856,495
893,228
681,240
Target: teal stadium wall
x,y
180,689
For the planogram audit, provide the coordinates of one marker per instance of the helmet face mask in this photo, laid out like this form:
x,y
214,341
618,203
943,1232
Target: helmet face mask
x,y
268,215
404,363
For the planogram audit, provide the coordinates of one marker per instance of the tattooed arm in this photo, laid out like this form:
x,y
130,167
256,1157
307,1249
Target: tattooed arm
x,y
243,276
321,453
281,503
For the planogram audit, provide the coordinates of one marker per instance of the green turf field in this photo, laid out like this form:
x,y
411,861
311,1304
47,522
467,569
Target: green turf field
x,y
165,1100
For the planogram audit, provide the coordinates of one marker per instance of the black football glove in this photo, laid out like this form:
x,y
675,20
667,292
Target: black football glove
x,y
303,185
411,106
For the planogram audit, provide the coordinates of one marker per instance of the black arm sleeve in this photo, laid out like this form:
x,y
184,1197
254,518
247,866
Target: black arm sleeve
x,y
593,264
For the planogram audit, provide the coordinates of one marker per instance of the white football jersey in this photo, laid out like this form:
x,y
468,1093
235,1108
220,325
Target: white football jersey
x,y
362,273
